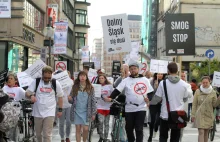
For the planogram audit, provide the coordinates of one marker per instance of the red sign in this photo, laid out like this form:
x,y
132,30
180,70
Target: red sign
x,y
61,65
140,88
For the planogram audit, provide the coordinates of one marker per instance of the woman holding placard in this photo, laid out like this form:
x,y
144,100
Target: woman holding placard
x,y
83,107
103,108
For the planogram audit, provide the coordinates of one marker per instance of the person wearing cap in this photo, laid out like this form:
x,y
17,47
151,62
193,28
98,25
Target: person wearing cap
x,y
136,88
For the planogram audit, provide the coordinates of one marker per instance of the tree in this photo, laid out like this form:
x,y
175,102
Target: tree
x,y
202,68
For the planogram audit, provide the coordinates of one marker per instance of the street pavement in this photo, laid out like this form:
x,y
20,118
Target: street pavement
x,y
190,135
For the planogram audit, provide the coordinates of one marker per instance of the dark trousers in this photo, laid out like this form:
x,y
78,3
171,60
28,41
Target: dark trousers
x,y
164,129
135,120
189,110
155,118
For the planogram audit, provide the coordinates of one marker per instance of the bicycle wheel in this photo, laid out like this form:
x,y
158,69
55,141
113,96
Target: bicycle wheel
x,y
212,132
19,136
115,131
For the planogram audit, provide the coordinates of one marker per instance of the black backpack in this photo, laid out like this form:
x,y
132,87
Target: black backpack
x,y
53,86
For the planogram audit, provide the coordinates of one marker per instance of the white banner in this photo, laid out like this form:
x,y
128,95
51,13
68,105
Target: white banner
x,y
5,9
116,33
35,70
110,79
24,79
92,73
216,79
60,37
85,54
53,12
64,79
158,66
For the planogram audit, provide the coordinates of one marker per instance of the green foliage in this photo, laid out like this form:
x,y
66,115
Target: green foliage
x,y
202,68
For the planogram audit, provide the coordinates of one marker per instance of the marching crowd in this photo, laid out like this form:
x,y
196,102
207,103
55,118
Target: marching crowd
x,y
170,99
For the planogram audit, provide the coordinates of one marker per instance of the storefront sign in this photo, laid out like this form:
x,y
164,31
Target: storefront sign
x,y
60,37
180,34
5,9
53,12
116,33
28,35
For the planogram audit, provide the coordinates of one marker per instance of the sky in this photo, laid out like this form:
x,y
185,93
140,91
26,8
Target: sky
x,y
100,8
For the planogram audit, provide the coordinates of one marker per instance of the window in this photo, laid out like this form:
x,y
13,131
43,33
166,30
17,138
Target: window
x,y
81,17
33,17
68,10
80,39
70,39
33,55
15,57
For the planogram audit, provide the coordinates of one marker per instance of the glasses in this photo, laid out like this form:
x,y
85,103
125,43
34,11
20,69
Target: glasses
x,y
48,78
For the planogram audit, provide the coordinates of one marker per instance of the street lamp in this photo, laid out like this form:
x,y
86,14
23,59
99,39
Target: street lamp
x,y
49,32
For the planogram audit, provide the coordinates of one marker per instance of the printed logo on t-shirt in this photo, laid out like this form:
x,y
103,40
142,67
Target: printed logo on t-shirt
x,y
140,88
11,95
104,92
46,90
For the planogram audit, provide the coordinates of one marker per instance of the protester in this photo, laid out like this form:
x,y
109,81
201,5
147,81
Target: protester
x,y
43,94
83,106
136,87
16,94
177,92
205,100
103,108
155,109
66,115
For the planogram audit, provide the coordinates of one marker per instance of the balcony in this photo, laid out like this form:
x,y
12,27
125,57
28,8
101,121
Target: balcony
x,y
84,2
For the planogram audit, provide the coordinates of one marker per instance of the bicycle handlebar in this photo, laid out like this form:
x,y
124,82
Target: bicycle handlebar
x,y
26,102
118,103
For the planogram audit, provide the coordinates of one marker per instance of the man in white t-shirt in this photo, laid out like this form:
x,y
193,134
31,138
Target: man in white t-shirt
x,y
177,92
136,88
45,104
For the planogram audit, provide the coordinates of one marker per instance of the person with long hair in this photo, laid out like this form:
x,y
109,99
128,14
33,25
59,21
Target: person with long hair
x,y
103,108
155,109
204,101
83,106
16,94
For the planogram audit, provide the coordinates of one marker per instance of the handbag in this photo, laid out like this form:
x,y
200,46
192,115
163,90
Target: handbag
x,y
176,119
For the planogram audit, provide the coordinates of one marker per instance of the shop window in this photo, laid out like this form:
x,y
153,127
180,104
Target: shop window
x,y
16,57
68,10
81,17
33,55
33,17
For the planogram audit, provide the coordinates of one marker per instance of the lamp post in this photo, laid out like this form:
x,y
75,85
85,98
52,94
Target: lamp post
x,y
49,32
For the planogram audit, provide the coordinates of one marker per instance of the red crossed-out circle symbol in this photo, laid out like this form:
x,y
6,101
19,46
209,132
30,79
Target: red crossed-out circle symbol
x,y
61,65
144,68
140,88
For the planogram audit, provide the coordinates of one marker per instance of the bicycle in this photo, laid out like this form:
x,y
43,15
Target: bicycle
x,y
118,126
25,127
213,130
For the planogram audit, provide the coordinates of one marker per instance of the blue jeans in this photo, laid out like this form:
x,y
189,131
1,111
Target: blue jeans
x,y
65,116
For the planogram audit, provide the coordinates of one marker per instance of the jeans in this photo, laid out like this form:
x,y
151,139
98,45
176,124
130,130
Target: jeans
x,y
164,129
135,120
44,126
65,117
155,118
189,110
103,125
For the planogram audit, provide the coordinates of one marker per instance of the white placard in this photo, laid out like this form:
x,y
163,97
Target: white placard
x,y
158,66
92,73
35,70
110,79
24,79
5,9
216,79
64,79
75,74
143,68
98,90
116,33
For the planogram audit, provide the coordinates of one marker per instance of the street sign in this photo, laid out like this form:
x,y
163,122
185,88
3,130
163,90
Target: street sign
x,y
61,65
209,53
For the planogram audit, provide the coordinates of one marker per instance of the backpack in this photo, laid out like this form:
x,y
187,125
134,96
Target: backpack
x,y
9,112
53,86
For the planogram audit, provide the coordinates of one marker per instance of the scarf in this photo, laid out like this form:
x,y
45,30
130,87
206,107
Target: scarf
x,y
173,79
206,90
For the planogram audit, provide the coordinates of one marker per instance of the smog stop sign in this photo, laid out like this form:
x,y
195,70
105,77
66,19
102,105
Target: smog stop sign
x,y
180,34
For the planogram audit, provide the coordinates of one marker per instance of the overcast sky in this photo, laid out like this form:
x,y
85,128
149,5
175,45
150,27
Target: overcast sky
x,y
100,8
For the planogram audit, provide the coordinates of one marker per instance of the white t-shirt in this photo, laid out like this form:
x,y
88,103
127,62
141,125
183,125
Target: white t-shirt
x,y
136,89
176,93
17,93
46,99
106,92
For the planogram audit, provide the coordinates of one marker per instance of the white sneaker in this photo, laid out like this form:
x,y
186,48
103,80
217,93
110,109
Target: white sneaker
x,y
154,134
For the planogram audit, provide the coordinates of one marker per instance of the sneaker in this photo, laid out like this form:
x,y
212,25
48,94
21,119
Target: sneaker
x,y
67,140
155,134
